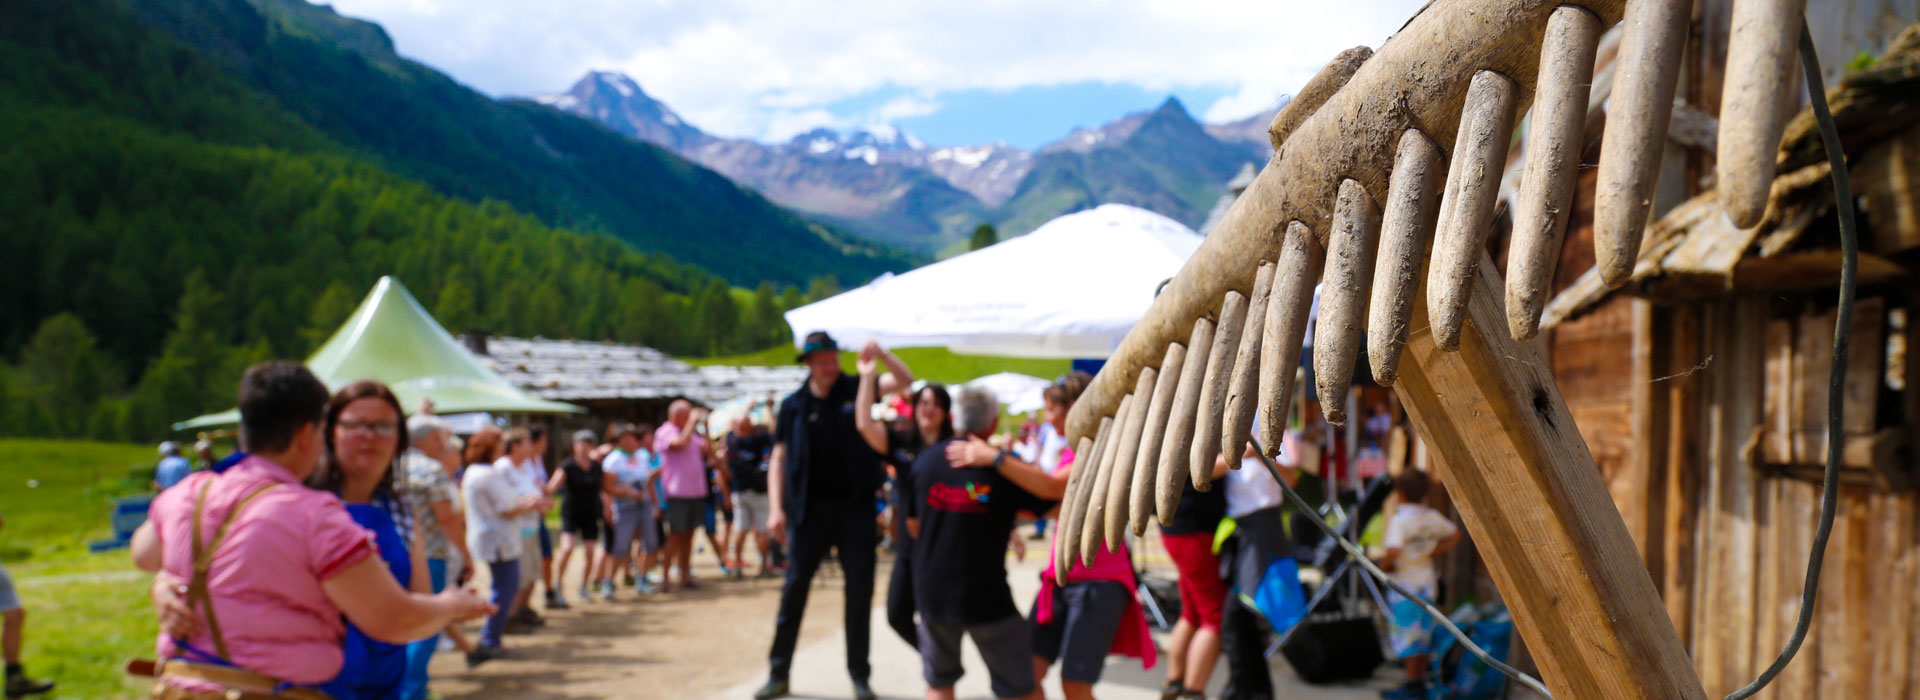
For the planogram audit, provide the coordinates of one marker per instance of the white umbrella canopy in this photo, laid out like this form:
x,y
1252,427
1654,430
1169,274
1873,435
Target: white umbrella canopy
x,y
1019,393
1072,288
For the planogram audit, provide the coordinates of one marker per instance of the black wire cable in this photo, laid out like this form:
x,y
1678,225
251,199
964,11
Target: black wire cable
x,y
1836,379
1373,570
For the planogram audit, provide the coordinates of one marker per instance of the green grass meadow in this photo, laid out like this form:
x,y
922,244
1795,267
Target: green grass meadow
x,y
86,613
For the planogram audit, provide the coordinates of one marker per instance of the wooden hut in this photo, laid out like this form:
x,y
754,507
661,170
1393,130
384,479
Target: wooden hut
x,y
1713,450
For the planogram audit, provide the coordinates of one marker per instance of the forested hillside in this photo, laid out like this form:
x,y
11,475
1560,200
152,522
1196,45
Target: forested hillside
x,y
168,224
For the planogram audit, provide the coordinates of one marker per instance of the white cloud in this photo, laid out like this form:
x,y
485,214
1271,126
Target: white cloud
x,y
759,68
905,107
781,125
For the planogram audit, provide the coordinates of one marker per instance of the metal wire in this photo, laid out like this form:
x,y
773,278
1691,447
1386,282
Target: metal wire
x,y
1836,379
1360,558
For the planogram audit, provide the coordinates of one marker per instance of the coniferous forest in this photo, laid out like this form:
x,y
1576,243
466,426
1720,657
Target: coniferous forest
x,y
168,220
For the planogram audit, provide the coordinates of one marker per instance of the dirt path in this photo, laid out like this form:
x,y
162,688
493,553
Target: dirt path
x,y
687,644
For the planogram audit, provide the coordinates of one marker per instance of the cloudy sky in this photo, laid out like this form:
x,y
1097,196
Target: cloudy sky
x,y
961,72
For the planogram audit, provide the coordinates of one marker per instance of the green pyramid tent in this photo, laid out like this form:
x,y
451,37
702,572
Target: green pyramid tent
x,y
392,339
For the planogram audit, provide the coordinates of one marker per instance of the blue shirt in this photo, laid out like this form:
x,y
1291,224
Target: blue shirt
x,y
171,471
372,669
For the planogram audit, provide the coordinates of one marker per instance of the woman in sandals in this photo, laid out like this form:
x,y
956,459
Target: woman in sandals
x,y
260,575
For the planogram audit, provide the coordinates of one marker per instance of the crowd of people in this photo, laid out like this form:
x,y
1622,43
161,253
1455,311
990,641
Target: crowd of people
x,y
328,557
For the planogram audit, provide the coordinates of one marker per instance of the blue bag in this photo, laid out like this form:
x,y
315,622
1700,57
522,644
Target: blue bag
x,y
1279,596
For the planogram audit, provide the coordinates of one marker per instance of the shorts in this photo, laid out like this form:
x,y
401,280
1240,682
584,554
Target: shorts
x,y
1003,644
584,523
1412,627
9,598
1086,616
530,559
750,510
629,524
1203,594
685,514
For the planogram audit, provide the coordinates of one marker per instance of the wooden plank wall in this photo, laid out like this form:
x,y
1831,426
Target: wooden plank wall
x,y
1731,546
1590,356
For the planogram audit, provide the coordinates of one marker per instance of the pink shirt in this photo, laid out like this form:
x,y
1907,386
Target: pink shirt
x,y
683,474
265,579
1132,638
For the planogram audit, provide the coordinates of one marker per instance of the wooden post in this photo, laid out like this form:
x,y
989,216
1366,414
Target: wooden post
x,y
1533,500
1645,508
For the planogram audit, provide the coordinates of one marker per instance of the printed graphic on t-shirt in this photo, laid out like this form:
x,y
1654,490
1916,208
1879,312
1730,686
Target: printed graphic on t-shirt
x,y
971,498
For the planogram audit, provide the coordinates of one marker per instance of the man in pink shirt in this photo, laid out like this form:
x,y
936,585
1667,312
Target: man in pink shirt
x,y
683,479
256,570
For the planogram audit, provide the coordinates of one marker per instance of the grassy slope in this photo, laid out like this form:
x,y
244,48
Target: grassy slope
x,y
937,364
80,630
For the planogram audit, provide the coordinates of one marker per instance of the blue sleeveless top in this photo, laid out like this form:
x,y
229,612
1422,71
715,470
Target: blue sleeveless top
x,y
374,669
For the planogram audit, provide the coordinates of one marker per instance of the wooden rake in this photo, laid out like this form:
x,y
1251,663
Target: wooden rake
x,y
1387,165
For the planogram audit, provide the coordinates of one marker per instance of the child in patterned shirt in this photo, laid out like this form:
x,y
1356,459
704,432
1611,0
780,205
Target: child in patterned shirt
x,y
1414,536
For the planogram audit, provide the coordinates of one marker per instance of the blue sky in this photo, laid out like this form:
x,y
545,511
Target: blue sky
x,y
952,72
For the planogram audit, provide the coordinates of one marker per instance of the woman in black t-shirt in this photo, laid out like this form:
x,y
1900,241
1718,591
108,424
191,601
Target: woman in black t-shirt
x,y
579,478
932,407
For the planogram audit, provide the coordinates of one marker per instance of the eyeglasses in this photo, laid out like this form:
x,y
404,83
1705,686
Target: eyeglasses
x,y
356,428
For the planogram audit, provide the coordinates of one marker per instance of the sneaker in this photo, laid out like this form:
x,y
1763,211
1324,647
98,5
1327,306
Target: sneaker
x,y
555,601
585,594
485,654
20,686
643,587
862,691
528,617
1172,690
773,689
606,590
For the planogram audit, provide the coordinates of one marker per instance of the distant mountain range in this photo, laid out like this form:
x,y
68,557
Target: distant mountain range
x,y
343,76
886,184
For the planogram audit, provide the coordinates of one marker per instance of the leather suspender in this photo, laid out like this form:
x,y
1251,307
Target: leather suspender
x,y
198,594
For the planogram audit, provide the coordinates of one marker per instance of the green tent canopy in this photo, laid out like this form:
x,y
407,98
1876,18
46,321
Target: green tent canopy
x,y
392,339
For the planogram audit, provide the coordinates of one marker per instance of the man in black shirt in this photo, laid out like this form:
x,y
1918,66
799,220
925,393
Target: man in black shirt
x,y
962,519
748,446
822,478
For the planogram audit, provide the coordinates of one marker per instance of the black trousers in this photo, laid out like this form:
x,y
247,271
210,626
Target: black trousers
x,y
849,529
900,605
1257,541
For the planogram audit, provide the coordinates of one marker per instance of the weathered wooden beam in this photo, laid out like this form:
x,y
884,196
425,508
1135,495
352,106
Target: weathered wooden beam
x,y
1527,487
1417,80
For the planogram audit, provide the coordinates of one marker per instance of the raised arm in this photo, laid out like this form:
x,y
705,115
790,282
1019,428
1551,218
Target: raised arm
x,y
872,431
897,368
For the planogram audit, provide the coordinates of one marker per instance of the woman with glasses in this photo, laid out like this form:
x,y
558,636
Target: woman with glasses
x,y
309,610
932,411
364,438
